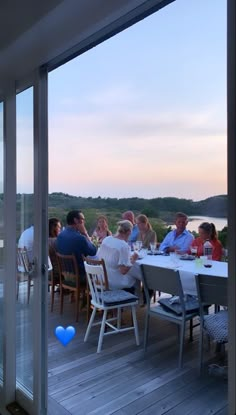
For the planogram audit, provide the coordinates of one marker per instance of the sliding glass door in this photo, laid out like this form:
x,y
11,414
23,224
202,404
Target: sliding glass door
x,y
1,243
24,241
23,249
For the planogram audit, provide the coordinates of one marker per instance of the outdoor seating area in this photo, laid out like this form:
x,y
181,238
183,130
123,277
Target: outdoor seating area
x,y
123,378
107,354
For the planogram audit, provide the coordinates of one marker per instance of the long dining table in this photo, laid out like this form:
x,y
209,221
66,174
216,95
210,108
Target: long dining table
x,y
187,269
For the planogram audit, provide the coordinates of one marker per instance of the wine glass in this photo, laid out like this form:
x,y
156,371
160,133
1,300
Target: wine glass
x,y
193,250
136,246
139,245
152,247
207,261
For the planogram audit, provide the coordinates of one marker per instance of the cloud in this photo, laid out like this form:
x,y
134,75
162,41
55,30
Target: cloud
x,y
138,153
139,123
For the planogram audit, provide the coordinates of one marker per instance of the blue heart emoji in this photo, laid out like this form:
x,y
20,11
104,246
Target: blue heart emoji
x,y
65,335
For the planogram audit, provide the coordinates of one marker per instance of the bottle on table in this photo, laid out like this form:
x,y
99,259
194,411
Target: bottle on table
x,y
207,252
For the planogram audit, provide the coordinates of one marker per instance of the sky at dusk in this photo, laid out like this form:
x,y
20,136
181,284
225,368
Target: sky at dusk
x,y
144,113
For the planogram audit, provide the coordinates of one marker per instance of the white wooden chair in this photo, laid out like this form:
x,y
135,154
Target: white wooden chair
x,y
212,290
167,281
24,271
106,300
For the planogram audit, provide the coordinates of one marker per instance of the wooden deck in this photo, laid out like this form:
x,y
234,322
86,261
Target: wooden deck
x,y
123,380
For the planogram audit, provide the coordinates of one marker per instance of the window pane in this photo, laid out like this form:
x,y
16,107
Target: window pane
x,y
25,221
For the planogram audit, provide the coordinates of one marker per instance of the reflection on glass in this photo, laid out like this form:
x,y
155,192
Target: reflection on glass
x,y
1,242
24,246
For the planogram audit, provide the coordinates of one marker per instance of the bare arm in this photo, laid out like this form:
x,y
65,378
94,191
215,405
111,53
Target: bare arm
x,y
125,268
83,231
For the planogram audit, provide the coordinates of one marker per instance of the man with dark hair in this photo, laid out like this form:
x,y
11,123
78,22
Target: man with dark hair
x,y
74,239
179,238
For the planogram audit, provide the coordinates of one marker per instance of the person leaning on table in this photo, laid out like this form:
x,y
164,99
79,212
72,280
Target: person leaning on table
x,y
180,238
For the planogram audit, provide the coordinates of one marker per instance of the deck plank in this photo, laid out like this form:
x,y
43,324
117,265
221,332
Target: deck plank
x,y
122,379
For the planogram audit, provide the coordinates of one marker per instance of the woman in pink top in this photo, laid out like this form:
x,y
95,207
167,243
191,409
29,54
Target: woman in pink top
x,y
101,231
208,231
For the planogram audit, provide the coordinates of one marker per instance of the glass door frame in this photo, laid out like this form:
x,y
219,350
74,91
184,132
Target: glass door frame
x,y
9,393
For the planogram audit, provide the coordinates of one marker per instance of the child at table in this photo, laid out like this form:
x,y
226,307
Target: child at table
x,y
208,231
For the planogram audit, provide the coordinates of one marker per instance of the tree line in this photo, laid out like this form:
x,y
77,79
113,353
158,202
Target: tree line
x,y
160,211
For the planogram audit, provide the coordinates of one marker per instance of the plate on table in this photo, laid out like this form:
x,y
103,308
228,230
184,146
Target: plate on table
x,y
187,257
156,253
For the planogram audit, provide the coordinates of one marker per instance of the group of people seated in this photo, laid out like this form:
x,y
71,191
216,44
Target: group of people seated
x,y
115,249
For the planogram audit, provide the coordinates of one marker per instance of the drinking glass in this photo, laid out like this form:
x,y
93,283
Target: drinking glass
x,y
152,247
193,250
175,259
139,245
207,261
135,247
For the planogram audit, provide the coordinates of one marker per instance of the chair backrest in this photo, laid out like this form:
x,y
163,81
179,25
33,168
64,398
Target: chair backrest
x,y
23,262
97,278
162,279
212,289
68,269
54,259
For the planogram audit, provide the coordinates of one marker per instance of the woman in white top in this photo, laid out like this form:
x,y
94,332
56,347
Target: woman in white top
x,y
115,251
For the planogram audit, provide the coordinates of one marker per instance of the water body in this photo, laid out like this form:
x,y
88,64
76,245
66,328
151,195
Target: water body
x,y
195,221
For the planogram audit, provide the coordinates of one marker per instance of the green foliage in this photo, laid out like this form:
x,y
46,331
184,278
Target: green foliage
x,y
158,207
222,235
160,228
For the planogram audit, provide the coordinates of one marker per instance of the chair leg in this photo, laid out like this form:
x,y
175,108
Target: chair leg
x,y
90,324
88,303
201,349
135,324
118,318
181,344
17,289
102,331
28,289
78,304
146,329
154,296
52,296
191,330
61,299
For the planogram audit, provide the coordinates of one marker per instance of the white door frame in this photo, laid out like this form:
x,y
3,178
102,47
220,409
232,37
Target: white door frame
x,y
231,119
9,306
8,394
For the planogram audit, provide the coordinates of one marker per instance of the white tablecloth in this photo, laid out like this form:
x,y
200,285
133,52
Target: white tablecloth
x,y
187,269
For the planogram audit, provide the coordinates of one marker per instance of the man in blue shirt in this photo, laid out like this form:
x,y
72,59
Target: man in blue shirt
x,y
179,238
129,215
74,239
